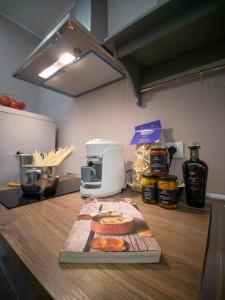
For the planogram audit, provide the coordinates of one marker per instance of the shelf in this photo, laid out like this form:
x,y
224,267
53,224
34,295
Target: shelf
x,y
28,114
173,39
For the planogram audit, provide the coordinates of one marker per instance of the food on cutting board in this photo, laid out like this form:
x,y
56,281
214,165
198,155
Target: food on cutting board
x,y
99,213
108,244
113,213
53,158
109,224
114,220
6,100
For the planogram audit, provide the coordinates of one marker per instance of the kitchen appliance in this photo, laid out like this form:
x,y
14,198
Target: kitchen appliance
x,y
70,60
12,198
106,158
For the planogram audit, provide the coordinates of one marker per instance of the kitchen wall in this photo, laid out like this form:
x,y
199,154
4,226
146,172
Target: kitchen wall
x,y
191,111
55,105
16,44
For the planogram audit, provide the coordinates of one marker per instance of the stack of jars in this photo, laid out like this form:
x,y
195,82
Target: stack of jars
x,y
158,186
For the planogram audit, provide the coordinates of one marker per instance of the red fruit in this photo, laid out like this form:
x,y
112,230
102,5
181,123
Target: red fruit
x,y
17,106
5,100
21,105
13,103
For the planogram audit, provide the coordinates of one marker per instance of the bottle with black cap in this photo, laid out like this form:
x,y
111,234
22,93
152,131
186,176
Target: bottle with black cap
x,y
195,173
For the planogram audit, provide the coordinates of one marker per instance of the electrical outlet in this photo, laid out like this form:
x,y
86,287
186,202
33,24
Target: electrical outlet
x,y
180,149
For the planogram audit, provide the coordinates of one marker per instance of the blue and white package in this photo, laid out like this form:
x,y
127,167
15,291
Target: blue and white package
x,y
147,133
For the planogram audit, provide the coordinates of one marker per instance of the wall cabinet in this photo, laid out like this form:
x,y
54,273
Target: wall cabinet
x,y
175,39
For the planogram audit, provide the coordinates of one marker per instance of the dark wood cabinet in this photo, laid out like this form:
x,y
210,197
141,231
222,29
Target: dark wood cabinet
x,y
16,282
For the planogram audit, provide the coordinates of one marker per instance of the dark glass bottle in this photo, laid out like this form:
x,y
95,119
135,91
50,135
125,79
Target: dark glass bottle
x,y
195,172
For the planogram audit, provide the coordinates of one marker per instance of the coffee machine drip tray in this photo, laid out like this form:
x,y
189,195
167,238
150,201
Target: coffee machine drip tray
x,y
91,186
13,197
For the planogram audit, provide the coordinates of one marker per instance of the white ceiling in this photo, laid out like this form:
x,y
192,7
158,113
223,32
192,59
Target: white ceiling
x,y
36,16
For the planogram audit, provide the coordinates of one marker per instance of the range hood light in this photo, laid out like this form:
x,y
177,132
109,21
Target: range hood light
x,y
51,70
64,60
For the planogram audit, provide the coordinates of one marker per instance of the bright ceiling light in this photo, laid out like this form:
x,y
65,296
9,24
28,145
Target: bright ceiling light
x,y
64,60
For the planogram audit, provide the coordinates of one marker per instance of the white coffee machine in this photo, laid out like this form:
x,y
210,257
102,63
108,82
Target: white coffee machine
x,y
104,174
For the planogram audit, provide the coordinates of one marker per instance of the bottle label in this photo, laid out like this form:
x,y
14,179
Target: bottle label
x,y
159,163
168,196
149,194
194,183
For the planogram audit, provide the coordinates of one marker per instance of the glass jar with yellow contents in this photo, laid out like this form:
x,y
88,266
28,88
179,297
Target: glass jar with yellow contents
x,y
168,191
149,188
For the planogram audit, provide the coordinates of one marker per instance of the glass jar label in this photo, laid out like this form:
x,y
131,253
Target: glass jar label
x,y
194,183
158,163
167,196
149,194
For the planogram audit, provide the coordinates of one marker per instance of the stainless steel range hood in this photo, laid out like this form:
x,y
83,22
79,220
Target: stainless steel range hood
x,y
91,66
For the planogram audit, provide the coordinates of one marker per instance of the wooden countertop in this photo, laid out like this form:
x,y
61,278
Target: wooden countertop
x,y
38,231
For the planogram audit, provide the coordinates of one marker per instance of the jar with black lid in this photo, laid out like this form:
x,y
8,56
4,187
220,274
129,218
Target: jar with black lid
x,y
168,191
158,160
149,188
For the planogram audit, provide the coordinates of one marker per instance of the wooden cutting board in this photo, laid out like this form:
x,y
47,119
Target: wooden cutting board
x,y
140,244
